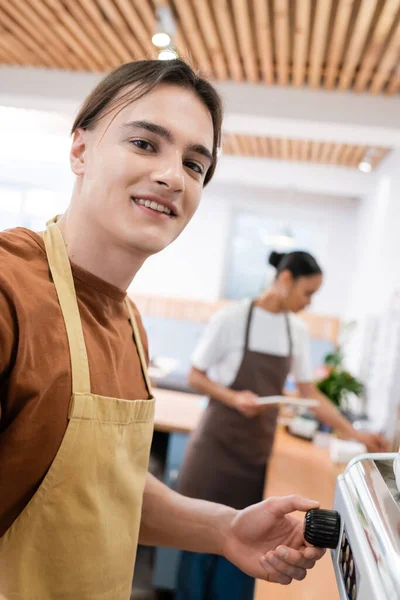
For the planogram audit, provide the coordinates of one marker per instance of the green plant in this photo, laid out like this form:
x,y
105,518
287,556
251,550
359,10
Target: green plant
x,y
337,383
337,380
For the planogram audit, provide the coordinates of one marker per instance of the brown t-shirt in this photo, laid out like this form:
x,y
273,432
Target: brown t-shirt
x,y
35,372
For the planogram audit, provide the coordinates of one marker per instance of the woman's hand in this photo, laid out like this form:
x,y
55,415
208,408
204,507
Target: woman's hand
x,y
373,441
246,403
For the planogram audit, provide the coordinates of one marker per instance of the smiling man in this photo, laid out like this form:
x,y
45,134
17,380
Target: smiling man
x,y
76,403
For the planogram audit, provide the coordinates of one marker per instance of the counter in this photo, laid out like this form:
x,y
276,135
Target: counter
x,y
296,466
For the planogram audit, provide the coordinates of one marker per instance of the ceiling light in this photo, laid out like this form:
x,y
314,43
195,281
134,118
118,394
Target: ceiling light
x,y
365,166
161,39
167,54
165,27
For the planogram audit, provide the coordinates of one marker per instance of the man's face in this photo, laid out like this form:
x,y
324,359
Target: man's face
x,y
141,171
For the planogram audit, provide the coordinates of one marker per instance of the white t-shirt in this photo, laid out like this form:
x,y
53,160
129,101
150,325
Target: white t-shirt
x,y
221,347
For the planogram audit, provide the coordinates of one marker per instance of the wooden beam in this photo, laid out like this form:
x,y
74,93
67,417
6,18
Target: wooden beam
x,y
339,33
144,35
357,41
393,85
263,33
105,51
359,155
294,149
304,150
245,144
227,143
387,64
246,49
284,149
146,12
353,155
281,22
26,40
336,152
376,45
301,39
15,52
210,35
324,153
30,17
274,143
191,29
94,13
120,27
345,157
263,141
318,42
61,33
379,156
225,27
253,143
315,151
82,46
235,144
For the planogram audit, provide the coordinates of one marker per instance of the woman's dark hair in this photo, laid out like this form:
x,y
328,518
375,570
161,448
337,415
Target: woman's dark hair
x,y
300,264
136,79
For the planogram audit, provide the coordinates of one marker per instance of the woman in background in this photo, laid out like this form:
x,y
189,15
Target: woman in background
x,y
247,351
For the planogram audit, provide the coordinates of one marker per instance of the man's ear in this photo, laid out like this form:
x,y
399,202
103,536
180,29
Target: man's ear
x,y
77,154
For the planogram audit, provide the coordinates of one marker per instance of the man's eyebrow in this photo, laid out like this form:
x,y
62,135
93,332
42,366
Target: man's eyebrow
x,y
200,149
167,135
152,128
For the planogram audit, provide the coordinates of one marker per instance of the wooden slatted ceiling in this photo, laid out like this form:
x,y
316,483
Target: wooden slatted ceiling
x,y
328,44
326,153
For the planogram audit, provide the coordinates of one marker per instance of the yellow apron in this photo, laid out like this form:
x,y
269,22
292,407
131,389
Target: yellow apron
x,y
77,537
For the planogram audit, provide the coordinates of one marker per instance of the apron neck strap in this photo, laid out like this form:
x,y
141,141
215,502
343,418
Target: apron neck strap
x,y
248,323
289,333
60,268
139,346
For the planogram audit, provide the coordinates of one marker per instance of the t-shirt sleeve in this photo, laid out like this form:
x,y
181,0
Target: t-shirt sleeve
x,y
213,343
302,369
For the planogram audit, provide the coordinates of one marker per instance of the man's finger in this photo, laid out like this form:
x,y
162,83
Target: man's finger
x,y
284,505
295,571
314,553
271,575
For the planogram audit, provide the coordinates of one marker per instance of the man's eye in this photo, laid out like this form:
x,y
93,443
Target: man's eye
x,y
195,167
143,145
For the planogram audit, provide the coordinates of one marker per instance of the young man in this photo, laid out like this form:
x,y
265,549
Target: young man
x,y
77,408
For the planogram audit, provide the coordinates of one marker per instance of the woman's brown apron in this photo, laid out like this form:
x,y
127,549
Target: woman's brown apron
x,y
228,453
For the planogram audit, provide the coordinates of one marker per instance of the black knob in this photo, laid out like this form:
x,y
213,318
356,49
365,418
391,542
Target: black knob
x,y
322,528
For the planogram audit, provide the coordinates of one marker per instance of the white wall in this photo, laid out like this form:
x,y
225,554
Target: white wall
x,y
193,267
377,273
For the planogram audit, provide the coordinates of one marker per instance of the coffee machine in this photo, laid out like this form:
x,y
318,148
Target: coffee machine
x,y
363,531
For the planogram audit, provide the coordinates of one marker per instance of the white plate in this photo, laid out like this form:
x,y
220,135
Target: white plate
x,y
306,402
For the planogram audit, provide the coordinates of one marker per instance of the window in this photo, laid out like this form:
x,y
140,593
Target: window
x,y
254,236
29,207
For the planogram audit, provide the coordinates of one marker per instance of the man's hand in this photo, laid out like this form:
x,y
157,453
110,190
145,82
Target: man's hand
x,y
266,541
246,403
373,441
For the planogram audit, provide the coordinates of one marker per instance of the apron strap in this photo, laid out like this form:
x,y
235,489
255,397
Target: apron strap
x,y
139,346
60,268
248,323
289,333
